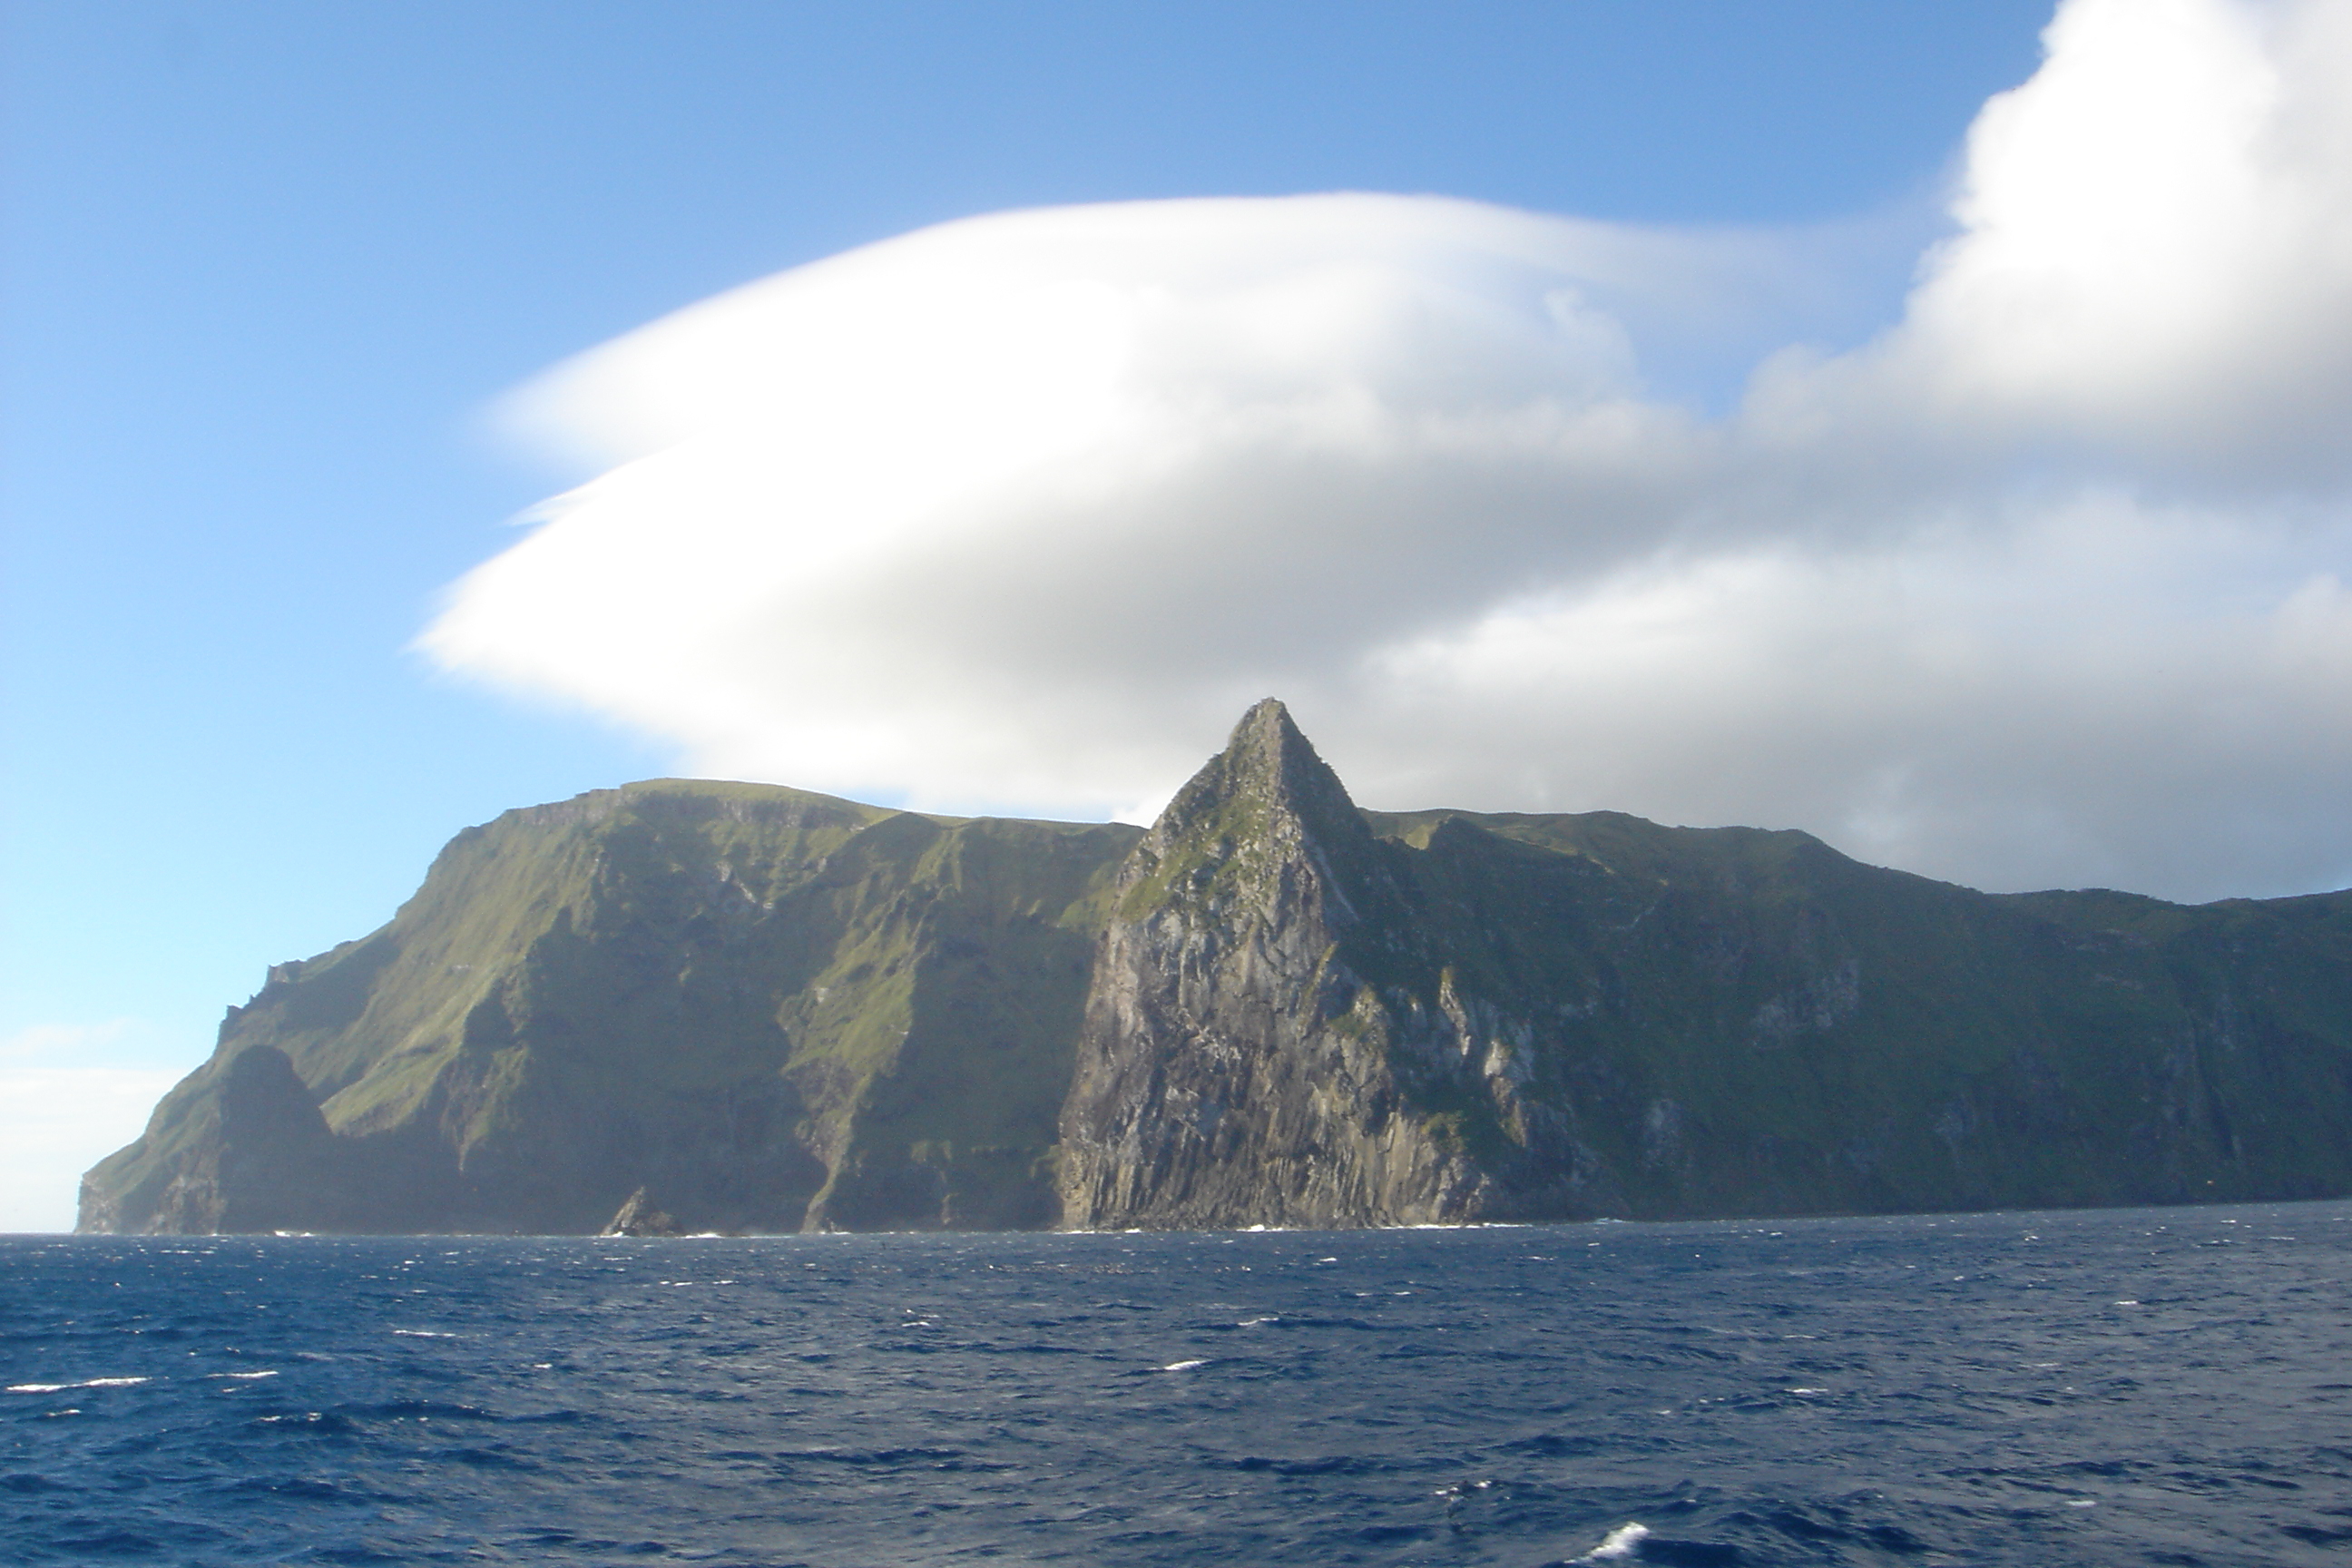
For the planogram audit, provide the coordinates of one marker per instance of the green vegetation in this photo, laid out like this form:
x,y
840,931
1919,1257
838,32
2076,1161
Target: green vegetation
x,y
770,1009
754,1001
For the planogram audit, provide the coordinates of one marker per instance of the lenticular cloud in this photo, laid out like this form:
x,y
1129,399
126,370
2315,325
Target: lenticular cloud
x,y
2042,583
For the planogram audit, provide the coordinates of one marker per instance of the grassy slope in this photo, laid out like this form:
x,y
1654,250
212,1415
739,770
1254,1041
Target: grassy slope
x,y
787,1007
1747,1021
743,991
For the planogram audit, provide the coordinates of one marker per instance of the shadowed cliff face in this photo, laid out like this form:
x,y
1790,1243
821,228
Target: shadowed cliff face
x,y
734,1006
763,1010
1235,1065
1305,1015
258,1156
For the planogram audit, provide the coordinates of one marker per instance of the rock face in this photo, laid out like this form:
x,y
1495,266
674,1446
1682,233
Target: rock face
x,y
1305,1015
748,1008
766,1008
254,1155
639,1218
1239,1062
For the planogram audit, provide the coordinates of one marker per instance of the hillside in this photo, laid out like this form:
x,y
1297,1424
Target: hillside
x,y
753,1008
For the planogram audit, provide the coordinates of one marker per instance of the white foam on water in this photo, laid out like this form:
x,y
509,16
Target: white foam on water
x,y
1183,1365
1619,1544
1809,1391
1253,1322
237,1377
421,1334
87,1383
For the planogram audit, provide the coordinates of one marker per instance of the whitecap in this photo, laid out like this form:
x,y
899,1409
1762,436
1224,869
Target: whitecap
x,y
1183,1365
1622,1542
238,1376
87,1383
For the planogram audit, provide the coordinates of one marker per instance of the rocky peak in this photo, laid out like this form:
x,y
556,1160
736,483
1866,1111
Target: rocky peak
x,y
1233,1067
773,1011
1265,825
1269,767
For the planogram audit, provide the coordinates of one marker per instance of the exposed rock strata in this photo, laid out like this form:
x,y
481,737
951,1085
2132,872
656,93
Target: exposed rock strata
x,y
1305,1015
768,1010
1240,1062
639,1218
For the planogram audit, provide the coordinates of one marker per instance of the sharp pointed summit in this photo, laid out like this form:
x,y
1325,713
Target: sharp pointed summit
x,y
1233,1066
1266,756
1264,824
767,1010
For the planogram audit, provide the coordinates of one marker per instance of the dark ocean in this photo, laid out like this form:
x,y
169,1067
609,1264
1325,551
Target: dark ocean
x,y
2161,1387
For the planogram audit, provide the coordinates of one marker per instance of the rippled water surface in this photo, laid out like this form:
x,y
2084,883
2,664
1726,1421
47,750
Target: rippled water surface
x,y
2168,1386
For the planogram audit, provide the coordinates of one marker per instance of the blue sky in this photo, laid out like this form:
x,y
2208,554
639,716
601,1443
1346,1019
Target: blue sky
x,y
270,269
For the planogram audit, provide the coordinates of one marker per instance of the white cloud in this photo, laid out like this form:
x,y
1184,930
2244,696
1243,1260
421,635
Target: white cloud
x,y
2155,262
1980,705
2040,585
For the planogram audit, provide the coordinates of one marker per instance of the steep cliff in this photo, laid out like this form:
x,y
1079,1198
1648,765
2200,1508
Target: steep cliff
x,y
764,1008
735,1006
1241,1060
1305,1015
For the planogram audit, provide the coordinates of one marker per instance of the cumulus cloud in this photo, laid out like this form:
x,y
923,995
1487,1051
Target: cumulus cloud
x,y
2156,257
2040,584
